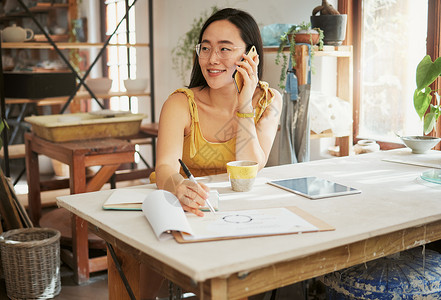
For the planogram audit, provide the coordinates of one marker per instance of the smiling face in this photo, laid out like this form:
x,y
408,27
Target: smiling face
x,y
221,36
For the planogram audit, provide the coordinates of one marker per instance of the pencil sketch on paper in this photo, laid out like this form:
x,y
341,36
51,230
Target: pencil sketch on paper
x,y
248,223
237,219
165,214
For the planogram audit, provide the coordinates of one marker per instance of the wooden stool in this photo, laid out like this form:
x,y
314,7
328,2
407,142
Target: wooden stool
x,y
108,153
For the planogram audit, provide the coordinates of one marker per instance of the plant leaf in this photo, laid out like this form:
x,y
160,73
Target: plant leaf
x,y
436,110
429,122
2,126
421,101
427,71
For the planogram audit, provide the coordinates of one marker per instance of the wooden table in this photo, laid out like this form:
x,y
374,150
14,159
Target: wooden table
x,y
396,210
108,153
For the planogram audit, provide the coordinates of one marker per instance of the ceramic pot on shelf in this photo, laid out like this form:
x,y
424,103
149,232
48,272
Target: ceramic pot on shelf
x,y
333,26
366,146
306,36
17,34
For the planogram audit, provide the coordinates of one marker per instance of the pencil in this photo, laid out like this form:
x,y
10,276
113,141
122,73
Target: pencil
x,y
191,177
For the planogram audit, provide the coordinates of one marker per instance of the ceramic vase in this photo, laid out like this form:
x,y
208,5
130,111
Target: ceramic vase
x,y
333,26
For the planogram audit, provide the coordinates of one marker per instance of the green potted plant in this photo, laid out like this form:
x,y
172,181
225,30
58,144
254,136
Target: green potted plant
x,y
302,33
426,73
183,52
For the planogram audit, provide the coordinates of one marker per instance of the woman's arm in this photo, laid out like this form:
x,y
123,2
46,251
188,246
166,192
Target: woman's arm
x,y
254,142
174,119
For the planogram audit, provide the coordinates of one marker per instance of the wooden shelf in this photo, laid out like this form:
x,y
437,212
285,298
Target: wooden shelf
x,y
64,45
338,51
39,43
86,95
41,38
79,96
343,54
335,51
325,134
39,8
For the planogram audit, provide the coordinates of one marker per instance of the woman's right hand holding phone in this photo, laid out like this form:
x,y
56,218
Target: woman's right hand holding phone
x,y
247,68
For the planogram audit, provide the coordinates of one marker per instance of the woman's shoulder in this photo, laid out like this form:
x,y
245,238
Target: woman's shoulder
x,y
182,100
176,100
182,93
176,107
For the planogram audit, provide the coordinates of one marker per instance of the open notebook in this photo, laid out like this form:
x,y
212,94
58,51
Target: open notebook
x,y
127,199
132,199
166,217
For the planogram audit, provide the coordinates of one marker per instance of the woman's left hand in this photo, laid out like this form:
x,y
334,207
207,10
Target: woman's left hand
x,y
248,69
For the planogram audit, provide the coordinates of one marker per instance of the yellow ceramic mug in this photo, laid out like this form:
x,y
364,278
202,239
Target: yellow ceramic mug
x,y
242,174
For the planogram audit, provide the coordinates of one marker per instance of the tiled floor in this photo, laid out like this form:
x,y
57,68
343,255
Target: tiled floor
x,y
96,289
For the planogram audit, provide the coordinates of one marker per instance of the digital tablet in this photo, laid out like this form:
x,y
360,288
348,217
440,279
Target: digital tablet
x,y
314,187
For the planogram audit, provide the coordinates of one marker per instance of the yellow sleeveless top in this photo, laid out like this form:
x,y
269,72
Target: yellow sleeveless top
x,y
209,158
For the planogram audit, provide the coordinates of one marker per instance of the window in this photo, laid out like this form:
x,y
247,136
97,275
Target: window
x,y
393,41
121,60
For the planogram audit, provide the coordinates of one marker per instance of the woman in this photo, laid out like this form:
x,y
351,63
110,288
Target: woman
x,y
210,123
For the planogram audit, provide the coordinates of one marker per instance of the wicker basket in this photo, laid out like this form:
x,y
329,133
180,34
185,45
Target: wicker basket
x,y
31,263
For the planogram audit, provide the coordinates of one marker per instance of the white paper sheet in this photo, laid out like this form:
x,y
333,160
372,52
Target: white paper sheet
x,y
164,213
247,223
430,159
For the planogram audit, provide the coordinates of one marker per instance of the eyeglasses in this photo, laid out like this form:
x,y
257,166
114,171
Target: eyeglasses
x,y
223,52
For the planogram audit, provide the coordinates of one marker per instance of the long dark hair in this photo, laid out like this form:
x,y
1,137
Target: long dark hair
x,y
249,32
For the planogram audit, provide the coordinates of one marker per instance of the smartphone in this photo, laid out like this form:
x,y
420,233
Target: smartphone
x,y
238,80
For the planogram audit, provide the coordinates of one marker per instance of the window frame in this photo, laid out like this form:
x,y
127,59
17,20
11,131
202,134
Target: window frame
x,y
353,37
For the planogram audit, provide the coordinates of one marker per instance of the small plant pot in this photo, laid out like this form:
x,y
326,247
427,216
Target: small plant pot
x,y
333,26
311,37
